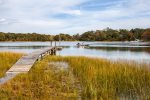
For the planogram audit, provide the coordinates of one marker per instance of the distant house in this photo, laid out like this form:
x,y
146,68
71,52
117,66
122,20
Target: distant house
x,y
146,35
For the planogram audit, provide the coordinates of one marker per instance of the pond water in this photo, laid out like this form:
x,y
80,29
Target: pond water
x,y
109,50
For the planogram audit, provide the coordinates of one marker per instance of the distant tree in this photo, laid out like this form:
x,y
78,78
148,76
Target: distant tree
x,y
76,37
88,36
125,35
2,36
107,34
112,35
100,35
24,37
63,37
146,35
137,33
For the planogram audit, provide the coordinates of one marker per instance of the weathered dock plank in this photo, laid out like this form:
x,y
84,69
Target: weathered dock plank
x,y
24,64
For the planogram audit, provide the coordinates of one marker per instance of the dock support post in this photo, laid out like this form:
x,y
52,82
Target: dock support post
x,y
53,51
49,52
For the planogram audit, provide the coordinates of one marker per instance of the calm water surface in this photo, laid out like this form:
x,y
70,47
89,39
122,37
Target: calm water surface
x,y
113,50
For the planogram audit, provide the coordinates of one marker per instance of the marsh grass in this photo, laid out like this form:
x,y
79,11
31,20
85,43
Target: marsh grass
x,y
43,82
99,79
7,59
104,79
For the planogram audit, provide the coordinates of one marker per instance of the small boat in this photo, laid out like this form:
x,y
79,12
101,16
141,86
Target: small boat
x,y
79,45
137,40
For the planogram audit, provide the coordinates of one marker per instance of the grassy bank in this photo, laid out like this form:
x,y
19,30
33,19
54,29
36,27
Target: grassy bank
x,y
98,78
7,60
43,82
103,79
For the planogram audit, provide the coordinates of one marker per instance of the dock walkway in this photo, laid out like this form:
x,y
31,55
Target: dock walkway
x,y
24,64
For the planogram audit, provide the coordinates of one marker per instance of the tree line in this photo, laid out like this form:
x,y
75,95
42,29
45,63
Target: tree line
x,y
107,34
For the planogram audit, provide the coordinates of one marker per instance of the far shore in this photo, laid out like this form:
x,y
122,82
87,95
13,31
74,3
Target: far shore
x,y
70,41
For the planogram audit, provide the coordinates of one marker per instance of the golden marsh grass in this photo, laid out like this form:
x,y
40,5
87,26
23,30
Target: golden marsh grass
x,y
7,59
104,79
99,79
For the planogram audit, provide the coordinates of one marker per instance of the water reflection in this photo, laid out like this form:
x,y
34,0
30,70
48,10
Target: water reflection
x,y
131,49
108,53
20,49
137,53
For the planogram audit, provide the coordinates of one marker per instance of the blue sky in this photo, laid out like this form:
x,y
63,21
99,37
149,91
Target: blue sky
x,y
72,16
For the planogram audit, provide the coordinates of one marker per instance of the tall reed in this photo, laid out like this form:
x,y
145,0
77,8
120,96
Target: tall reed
x,y
104,79
43,82
7,59
99,79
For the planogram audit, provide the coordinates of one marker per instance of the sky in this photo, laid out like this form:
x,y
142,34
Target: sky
x,y
72,16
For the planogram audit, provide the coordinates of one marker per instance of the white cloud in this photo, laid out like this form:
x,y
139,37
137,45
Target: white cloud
x,y
72,12
2,19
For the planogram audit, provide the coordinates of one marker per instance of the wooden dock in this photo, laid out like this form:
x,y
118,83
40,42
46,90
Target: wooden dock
x,y
24,64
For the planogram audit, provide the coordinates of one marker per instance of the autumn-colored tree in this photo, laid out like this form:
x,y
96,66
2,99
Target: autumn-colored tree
x,y
2,36
107,34
146,35
137,33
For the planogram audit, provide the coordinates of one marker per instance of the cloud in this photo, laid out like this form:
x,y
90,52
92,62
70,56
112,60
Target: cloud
x,y
73,12
72,16
2,19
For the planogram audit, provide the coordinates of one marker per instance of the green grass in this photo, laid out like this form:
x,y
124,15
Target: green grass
x,y
99,79
7,60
